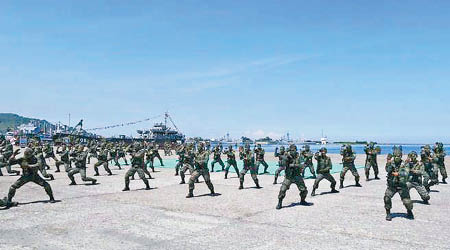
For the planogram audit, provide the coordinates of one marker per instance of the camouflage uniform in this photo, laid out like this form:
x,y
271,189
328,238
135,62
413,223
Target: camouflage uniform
x,y
49,153
121,155
348,163
187,162
282,163
439,154
307,156
102,161
247,157
430,176
180,152
155,154
92,153
323,171
80,157
231,161
114,156
137,165
292,175
371,160
29,165
416,170
65,160
42,165
259,156
201,169
397,177
216,158
8,151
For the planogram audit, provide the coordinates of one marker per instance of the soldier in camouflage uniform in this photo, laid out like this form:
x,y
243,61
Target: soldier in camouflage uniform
x,y
103,160
64,152
348,163
155,154
180,152
137,165
439,155
49,153
430,176
217,152
371,160
307,156
187,163
30,168
79,156
247,157
397,178
293,174
121,154
323,171
113,152
201,169
416,170
259,156
92,148
7,152
42,164
281,162
4,203
231,161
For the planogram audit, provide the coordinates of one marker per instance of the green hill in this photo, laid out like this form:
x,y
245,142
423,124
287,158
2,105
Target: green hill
x,y
11,121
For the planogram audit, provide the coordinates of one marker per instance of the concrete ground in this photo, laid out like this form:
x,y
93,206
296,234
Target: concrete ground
x,y
104,217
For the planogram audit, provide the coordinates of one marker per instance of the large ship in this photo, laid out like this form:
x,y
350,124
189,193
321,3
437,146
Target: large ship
x,y
161,132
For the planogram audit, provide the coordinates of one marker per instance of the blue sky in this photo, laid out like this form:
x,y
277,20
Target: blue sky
x,y
376,70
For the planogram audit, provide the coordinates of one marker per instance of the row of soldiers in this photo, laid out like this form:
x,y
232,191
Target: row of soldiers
x,y
402,176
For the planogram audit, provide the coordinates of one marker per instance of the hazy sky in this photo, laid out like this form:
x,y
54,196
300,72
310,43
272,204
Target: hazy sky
x,y
356,69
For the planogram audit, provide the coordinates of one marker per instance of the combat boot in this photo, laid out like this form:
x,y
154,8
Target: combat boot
x,y
303,202
313,193
367,177
147,186
333,190
241,185
257,184
94,182
1,174
73,183
443,181
280,204
52,178
426,202
182,181
376,177
190,194
126,188
275,180
410,215
388,215
96,173
341,185
357,184
52,199
226,174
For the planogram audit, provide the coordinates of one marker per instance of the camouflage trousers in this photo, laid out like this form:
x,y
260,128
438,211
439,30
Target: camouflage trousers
x,y
278,172
185,167
352,169
424,195
404,195
159,158
90,156
217,161
24,179
66,165
261,162
311,169
297,180
196,174
234,164
443,171
82,172
8,169
104,164
253,173
430,178
44,172
326,176
369,165
132,171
